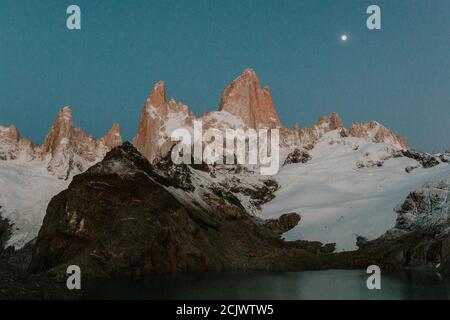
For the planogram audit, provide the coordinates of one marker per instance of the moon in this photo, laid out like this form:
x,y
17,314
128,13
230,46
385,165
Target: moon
x,y
344,37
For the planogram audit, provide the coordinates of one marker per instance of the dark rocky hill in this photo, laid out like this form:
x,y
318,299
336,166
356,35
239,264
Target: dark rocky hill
x,y
119,219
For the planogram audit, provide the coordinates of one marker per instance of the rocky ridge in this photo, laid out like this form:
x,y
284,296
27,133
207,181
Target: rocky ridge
x,y
66,151
244,104
118,218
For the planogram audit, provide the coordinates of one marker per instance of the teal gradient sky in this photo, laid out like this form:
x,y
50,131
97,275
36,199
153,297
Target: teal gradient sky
x,y
399,76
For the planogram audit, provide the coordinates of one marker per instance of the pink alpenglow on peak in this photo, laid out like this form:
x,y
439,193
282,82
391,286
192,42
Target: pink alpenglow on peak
x,y
159,119
11,132
376,133
69,150
66,150
13,146
113,138
60,132
245,98
244,105
158,96
324,125
331,122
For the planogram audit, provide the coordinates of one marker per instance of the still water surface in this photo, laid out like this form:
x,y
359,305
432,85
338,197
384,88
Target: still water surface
x,y
329,284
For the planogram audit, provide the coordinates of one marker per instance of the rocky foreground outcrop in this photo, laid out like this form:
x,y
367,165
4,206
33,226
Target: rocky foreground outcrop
x,y
119,219
5,232
284,223
420,238
15,283
19,285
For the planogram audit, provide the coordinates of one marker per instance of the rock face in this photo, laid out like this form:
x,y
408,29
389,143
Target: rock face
x,y
13,146
19,285
118,218
377,133
113,138
209,186
158,120
70,150
426,209
445,157
245,98
329,123
426,160
5,232
284,223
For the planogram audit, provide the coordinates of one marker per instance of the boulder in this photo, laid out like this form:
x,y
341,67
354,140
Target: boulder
x,y
284,223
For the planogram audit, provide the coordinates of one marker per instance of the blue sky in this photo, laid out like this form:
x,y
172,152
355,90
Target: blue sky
x,y
399,76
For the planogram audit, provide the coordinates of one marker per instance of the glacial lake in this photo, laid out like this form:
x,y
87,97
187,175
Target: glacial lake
x,y
328,284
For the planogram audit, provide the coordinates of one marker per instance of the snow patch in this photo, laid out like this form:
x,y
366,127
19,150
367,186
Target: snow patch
x,y
26,188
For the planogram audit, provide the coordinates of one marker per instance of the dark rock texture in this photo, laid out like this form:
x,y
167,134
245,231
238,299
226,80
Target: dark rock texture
x,y
425,159
410,251
5,232
20,258
18,285
297,156
445,157
224,181
118,219
284,223
15,283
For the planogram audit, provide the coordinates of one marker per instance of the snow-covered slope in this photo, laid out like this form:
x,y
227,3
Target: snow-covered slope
x,y
350,187
26,187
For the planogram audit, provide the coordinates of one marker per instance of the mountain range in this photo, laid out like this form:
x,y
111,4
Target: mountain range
x,y
345,184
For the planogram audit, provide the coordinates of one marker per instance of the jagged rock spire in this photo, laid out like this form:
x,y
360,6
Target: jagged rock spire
x,y
113,138
69,150
158,119
61,129
245,98
158,96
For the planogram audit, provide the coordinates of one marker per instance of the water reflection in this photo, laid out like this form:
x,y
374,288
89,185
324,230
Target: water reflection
x,y
329,284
